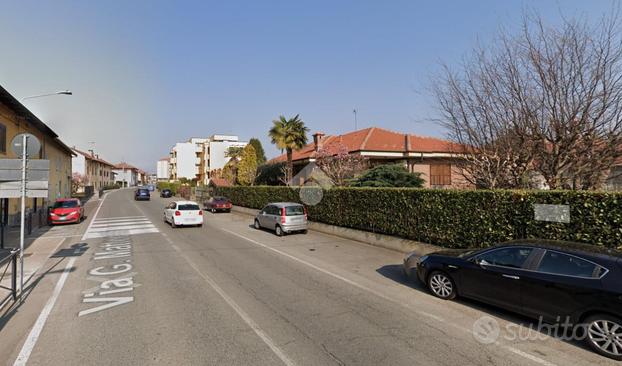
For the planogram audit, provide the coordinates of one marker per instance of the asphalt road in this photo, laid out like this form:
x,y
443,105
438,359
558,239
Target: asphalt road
x,y
227,294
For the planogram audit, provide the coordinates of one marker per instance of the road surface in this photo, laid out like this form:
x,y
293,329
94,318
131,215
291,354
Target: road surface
x,y
132,290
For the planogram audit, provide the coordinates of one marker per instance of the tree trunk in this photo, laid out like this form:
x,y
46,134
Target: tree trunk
x,y
290,165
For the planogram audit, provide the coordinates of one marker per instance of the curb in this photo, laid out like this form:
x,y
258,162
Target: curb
x,y
378,240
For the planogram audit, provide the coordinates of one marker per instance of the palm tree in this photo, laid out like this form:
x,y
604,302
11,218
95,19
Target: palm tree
x,y
289,134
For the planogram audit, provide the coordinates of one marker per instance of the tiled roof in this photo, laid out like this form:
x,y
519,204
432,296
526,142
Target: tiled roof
x,y
375,139
220,182
88,155
124,165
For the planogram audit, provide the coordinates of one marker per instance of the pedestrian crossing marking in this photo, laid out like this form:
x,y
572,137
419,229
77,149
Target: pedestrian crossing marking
x,y
117,226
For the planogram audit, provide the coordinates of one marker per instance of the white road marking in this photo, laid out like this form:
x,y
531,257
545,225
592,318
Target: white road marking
x,y
129,225
94,217
245,317
120,218
365,288
35,332
100,229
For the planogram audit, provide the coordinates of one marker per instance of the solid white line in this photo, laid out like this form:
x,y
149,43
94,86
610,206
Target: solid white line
x,y
124,227
35,332
121,218
94,216
121,233
365,288
99,226
245,317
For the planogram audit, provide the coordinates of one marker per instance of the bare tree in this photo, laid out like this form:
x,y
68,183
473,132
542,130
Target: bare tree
x,y
547,100
339,165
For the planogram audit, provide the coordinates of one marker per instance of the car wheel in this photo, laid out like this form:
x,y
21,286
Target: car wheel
x,y
305,232
441,285
256,224
604,335
200,225
173,224
278,231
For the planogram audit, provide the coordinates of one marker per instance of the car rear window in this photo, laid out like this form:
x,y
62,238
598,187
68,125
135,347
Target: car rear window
x,y
220,199
143,191
188,207
294,210
65,204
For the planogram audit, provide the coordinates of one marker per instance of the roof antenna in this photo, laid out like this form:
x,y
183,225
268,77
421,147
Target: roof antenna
x,y
355,121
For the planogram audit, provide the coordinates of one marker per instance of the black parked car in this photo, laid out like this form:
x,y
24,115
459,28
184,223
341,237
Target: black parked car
x,y
556,281
142,194
166,193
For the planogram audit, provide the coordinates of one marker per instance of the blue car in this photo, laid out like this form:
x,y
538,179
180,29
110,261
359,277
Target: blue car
x,y
142,194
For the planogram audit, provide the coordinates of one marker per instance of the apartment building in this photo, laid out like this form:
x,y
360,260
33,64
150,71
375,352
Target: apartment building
x,y
96,172
163,169
196,158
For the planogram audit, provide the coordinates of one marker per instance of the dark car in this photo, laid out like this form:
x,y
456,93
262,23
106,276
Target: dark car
x,y
218,203
165,193
65,211
142,194
548,280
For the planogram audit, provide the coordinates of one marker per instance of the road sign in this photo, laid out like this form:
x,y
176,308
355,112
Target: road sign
x,y
11,169
32,146
34,189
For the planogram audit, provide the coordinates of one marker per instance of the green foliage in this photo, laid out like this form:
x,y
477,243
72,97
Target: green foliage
x,y
260,153
395,175
270,174
247,167
234,152
453,218
289,134
230,171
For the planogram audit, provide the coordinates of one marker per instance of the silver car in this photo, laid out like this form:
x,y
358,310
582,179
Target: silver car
x,y
282,217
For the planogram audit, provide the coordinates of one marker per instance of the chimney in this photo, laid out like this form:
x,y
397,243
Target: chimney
x,y
92,152
317,140
406,144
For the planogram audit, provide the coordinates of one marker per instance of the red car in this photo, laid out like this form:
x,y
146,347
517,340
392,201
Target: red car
x,y
215,204
66,210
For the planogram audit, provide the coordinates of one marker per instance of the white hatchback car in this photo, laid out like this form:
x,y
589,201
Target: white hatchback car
x,y
183,213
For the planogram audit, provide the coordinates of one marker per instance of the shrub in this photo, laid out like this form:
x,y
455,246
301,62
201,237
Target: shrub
x,y
395,175
173,186
453,218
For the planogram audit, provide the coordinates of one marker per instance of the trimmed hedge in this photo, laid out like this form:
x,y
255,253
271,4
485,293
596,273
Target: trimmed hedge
x,y
454,218
173,186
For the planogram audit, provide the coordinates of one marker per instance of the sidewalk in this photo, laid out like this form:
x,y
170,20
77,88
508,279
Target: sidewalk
x,y
39,246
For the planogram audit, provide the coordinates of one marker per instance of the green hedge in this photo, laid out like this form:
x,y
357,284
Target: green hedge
x,y
453,218
173,186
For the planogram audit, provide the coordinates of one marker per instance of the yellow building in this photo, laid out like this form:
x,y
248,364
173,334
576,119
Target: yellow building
x,y
15,119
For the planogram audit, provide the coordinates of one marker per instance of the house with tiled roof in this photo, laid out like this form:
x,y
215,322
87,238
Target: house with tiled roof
x,y
126,175
94,171
436,159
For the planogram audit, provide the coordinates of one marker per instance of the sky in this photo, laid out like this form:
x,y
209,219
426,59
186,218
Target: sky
x,y
147,74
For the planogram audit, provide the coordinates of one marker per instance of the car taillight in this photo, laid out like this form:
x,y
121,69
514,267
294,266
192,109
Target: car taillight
x,y
201,213
282,215
177,213
305,212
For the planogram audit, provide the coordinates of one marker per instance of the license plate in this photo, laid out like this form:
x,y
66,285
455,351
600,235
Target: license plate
x,y
62,218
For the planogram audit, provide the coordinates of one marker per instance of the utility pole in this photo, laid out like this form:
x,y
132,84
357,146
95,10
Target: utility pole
x,y
22,218
355,121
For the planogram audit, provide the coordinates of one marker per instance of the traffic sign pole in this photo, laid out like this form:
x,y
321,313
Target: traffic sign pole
x,y
23,218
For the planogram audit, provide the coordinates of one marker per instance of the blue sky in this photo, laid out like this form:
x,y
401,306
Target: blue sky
x,y
146,74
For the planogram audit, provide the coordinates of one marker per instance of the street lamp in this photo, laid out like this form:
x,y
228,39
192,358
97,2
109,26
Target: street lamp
x,y
61,92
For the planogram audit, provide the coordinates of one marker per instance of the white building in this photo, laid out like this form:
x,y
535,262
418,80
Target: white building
x,y
216,152
163,170
126,175
198,157
187,158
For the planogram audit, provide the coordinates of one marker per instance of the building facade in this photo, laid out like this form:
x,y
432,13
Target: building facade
x,y
196,158
15,118
435,159
126,175
163,170
97,172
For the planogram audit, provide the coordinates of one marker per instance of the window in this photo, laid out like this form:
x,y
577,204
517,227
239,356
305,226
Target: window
x,y
505,257
568,265
294,210
2,138
440,174
189,207
65,204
